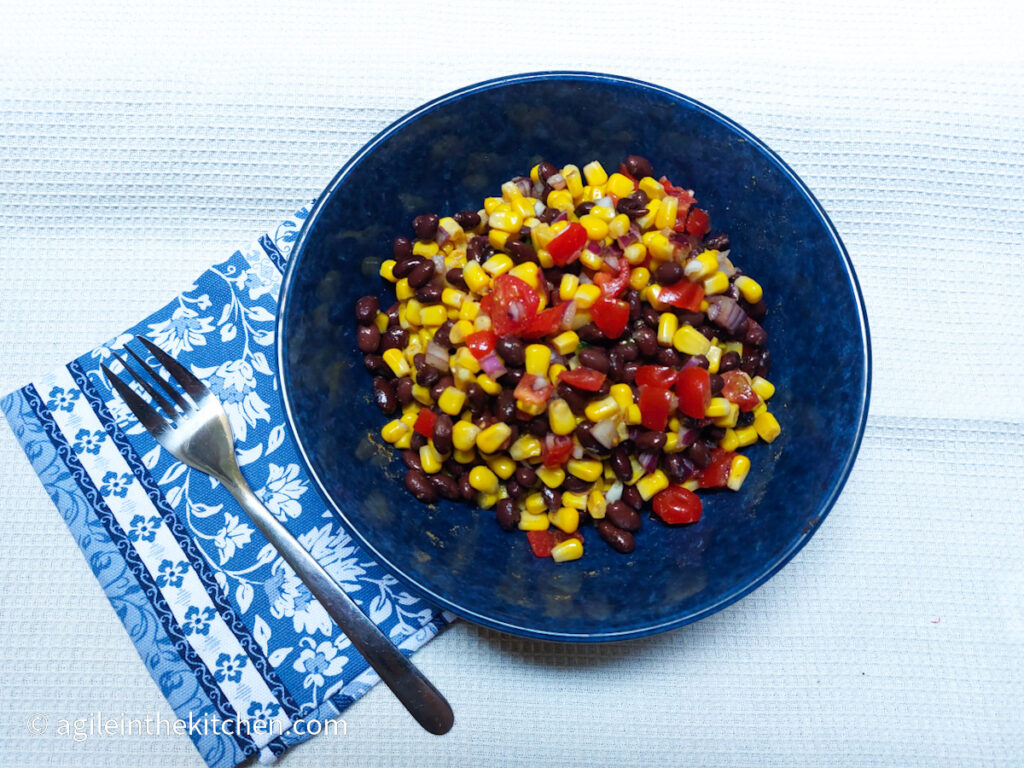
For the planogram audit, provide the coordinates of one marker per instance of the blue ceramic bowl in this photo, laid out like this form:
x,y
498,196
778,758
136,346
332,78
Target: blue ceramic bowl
x,y
446,156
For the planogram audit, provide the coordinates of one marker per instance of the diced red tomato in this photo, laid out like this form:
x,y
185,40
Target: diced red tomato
x,y
737,389
655,406
698,222
583,378
611,316
542,542
533,389
656,376
694,390
685,198
512,305
481,343
684,295
566,247
677,505
425,422
716,474
556,450
543,323
612,286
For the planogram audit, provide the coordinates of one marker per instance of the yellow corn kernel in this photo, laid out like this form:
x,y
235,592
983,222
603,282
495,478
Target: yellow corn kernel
x,y
660,247
717,283
475,277
691,485
667,212
574,500
767,426
535,504
749,288
729,441
672,442
387,270
718,406
464,435
499,263
396,362
464,457
381,321
412,312
451,401
647,220
538,358
650,294
528,272
491,204
552,477
639,278
483,479
564,551
560,417
637,470
652,187
586,295
764,388
714,356
524,207
566,519
469,309
433,315
585,469
603,212
534,409
526,447
690,341
599,410
651,484
597,228
393,430
591,260
422,394
738,471
482,323
414,347
510,192
529,521
430,459
553,373
746,436
410,413
623,395
759,409
508,221
731,419
633,415
487,500
453,314
427,250
595,174
452,297
403,290
566,342
668,325
490,439
560,200
567,287
701,266
635,254
501,465
535,173
733,346
405,441
573,180
455,232
488,385
597,505
674,423
620,185
460,331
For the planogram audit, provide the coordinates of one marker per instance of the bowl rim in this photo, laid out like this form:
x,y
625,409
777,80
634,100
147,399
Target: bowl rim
x,y
452,604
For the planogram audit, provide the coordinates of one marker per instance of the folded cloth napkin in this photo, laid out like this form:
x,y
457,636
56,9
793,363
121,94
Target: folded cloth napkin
x,y
227,630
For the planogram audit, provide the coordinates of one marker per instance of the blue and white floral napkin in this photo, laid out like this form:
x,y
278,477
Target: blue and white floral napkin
x,y
225,627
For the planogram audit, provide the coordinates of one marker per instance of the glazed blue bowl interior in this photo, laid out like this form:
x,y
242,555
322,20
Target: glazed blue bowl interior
x,y
447,156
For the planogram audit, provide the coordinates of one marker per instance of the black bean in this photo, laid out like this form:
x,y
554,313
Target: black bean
x,y
412,460
647,340
425,226
630,207
756,335
403,268
650,440
650,316
546,170
745,419
477,248
526,476
623,516
366,309
440,386
392,314
538,426
669,357
629,371
636,305
674,466
621,465
443,333
750,363
552,498
575,484
756,311
505,406
429,294
699,454
604,389
384,395
455,278
629,350
765,365
375,364
729,362
507,514
618,539
422,274
583,208
548,215
467,491
712,433
515,490
594,357
467,219
428,376
632,496
476,399
719,242
443,433
590,333
691,318
615,365
638,167
520,252
700,361
394,338
590,443
417,441
511,350
446,486
368,339
512,377
401,248
668,273
577,400
419,485
716,382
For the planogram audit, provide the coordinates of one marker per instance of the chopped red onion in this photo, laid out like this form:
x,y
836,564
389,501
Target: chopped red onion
x,y
436,355
577,451
493,366
594,246
605,432
648,460
538,208
563,216
614,493
525,185
687,437
605,202
726,313
556,181
568,315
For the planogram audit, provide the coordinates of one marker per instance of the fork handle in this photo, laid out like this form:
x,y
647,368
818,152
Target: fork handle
x,y
417,694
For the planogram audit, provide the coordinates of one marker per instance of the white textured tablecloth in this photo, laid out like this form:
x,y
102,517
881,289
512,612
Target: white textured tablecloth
x,y
139,145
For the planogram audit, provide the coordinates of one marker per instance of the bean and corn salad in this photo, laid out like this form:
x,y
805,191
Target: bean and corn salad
x,y
579,347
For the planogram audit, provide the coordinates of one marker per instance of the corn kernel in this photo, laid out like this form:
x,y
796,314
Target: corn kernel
x,y
718,406
508,221
510,191
566,519
464,457
535,504
603,212
714,356
405,441
410,413
422,395
427,250
633,415
414,347
490,439
651,484
553,373
491,204
586,295
731,419
396,362
564,551
620,185
599,410
591,260
674,423
702,265
393,430
759,409
535,173
764,388
534,409
647,220
574,500
746,436
529,521
475,277
618,226
412,312
767,426
597,228
552,477
381,321
538,358
526,447
488,385
482,479
738,471
636,469
717,283
597,505
672,444
469,309
464,435
573,181
635,254
668,326
430,459
639,278
585,469
595,174
460,330
482,323
667,212
652,187
566,342
501,465
403,290
528,272
387,270
567,287
560,200
451,401
729,441
660,247
622,394
498,264
749,288
452,297
690,341
691,485
434,315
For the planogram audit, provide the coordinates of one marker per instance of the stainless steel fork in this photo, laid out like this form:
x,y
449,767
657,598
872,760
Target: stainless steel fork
x,y
194,429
